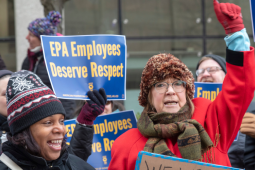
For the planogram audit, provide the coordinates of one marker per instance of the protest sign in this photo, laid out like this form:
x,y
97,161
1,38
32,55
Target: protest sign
x,y
207,90
106,129
77,64
252,6
152,161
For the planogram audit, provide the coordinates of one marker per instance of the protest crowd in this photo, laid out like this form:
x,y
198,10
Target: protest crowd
x,y
172,123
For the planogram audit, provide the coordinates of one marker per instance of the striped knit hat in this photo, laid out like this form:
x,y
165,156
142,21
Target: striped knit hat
x,y
29,101
160,67
45,26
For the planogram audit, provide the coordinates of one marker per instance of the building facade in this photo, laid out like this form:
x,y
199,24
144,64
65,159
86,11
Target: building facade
x,y
186,29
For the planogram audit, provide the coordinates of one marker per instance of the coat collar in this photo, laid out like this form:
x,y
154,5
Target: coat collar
x,y
20,156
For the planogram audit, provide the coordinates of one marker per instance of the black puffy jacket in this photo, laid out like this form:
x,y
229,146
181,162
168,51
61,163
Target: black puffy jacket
x,y
27,161
81,142
40,69
242,151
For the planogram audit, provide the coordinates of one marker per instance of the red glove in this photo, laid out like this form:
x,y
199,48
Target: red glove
x,y
229,15
93,107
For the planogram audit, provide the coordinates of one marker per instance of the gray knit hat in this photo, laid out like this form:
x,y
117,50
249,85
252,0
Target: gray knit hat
x,y
220,60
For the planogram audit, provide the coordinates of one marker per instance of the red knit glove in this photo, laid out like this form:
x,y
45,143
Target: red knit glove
x,y
93,107
229,15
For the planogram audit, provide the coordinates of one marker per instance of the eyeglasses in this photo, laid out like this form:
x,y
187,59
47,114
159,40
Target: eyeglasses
x,y
210,70
178,86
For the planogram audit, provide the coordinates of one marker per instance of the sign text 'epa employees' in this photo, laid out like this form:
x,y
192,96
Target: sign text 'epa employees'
x,y
88,50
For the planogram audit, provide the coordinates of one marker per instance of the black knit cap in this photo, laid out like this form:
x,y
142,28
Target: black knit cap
x,y
5,72
220,60
29,101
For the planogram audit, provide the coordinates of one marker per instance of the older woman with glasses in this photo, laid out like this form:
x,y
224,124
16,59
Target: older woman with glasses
x,y
173,123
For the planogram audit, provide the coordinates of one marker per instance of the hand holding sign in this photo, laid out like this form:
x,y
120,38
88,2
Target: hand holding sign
x,y
229,15
248,125
93,107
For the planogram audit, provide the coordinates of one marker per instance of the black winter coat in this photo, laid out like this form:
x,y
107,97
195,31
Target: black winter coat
x,y
242,152
41,71
81,142
29,162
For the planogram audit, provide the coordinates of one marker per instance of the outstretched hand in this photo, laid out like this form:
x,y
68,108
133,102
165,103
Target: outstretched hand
x,y
93,107
248,125
229,15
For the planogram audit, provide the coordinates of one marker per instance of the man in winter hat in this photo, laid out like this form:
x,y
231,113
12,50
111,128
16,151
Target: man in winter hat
x,y
34,61
212,68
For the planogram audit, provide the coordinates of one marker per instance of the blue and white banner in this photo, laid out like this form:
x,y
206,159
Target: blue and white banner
x,y
252,6
107,128
207,90
146,160
77,64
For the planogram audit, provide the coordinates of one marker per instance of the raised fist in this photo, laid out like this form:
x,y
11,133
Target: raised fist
x,y
229,15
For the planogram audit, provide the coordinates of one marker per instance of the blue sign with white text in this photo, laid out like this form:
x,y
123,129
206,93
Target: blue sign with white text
x,y
107,128
77,64
207,90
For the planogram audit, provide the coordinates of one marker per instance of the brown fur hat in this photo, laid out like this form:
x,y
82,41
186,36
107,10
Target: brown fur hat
x,y
163,66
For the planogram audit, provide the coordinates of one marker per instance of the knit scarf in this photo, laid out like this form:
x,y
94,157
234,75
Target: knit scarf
x,y
192,139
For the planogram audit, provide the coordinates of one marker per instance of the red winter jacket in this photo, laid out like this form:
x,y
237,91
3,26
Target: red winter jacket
x,y
223,116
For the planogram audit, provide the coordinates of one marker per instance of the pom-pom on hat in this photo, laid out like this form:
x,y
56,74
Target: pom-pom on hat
x,y
45,26
29,101
163,66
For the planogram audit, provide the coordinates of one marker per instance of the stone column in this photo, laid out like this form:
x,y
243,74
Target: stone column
x,y
25,12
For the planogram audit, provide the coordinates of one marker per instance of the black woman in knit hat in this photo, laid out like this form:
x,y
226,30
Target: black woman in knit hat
x,y
34,61
173,123
36,120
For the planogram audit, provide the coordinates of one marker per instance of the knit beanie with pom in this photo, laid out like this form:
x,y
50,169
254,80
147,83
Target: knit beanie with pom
x,y
29,101
45,26
160,67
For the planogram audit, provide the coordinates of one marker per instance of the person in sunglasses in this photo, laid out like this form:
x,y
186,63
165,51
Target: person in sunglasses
x,y
173,123
212,68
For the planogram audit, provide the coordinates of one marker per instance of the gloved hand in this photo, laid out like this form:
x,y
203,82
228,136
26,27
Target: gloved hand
x,y
93,107
229,15
248,125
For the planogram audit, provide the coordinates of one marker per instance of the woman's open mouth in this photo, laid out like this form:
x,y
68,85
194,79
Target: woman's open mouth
x,y
55,144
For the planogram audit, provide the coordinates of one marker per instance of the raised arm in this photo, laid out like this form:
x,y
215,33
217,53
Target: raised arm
x,y
225,114
82,138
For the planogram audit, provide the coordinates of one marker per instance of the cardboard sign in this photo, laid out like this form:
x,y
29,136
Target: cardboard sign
x,y
107,128
252,6
151,161
77,64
